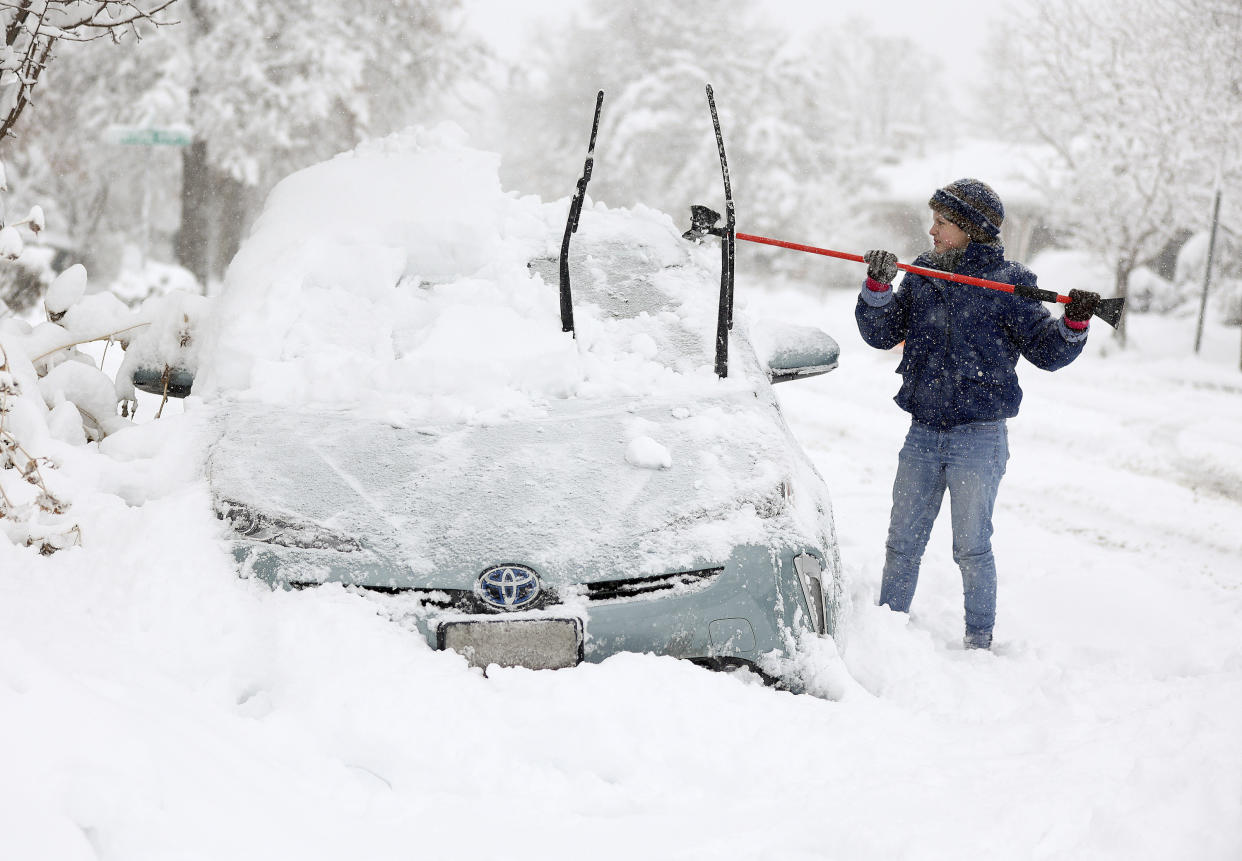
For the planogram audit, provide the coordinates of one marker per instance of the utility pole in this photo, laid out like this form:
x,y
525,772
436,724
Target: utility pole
x,y
1207,269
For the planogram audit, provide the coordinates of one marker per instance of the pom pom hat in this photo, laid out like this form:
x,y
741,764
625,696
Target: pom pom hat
x,y
971,205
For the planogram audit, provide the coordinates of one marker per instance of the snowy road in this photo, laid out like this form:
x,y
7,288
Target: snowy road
x,y
153,706
1106,722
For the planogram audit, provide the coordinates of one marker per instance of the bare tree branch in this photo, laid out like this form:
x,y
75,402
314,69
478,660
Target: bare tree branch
x,y
31,32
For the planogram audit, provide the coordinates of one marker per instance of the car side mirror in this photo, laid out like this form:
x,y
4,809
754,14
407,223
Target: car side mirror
x,y
791,352
162,358
152,380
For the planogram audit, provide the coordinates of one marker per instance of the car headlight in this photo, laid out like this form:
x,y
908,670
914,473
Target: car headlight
x,y
259,526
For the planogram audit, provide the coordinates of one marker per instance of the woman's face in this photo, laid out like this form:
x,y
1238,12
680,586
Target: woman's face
x,y
946,235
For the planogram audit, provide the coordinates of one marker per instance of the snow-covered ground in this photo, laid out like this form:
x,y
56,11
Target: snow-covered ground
x,y
155,706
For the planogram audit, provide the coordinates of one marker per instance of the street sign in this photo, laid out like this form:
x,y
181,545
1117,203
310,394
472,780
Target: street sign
x,y
149,136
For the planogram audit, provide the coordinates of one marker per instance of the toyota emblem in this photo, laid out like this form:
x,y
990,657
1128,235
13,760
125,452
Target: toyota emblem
x,y
508,587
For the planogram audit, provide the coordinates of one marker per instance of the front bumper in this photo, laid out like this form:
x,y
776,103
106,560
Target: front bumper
x,y
751,605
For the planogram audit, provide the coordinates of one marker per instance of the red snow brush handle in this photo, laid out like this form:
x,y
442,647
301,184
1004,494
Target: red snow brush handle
x,y
1029,292
703,221
1108,310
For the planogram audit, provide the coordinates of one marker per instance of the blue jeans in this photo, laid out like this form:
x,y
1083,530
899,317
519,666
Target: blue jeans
x,y
969,461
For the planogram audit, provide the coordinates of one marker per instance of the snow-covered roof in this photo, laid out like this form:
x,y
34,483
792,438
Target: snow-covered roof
x,y
400,278
1010,168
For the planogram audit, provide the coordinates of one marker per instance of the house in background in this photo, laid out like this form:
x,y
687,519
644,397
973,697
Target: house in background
x,y
1011,169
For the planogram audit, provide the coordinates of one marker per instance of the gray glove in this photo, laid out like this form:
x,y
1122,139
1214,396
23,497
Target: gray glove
x,y
881,266
1081,305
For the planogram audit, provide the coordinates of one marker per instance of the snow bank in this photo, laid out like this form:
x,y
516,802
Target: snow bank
x,y
154,706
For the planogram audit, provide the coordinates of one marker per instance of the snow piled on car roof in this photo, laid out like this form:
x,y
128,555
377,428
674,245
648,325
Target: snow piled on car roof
x,y
398,278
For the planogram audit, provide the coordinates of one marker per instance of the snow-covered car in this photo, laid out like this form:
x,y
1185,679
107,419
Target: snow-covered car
x,y
399,412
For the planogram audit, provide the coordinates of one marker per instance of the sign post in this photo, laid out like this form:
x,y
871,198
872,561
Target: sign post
x,y
175,135
148,136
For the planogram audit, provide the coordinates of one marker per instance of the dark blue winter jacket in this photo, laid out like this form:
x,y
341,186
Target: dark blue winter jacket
x,y
963,342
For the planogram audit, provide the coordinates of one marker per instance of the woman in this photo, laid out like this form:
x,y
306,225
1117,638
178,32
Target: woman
x,y
959,384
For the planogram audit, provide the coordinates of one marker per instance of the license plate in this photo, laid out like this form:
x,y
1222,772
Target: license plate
x,y
538,644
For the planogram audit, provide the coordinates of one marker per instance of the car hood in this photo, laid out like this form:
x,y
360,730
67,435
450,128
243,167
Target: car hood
x,y
579,493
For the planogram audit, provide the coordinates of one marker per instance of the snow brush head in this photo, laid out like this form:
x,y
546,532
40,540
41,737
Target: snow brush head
x,y
703,221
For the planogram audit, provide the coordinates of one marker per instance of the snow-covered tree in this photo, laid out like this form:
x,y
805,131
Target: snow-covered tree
x,y
271,87
1141,101
802,126
266,89
33,30
36,32
889,93
92,190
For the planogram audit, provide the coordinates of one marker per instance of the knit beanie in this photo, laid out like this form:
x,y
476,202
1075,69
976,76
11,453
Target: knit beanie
x,y
971,205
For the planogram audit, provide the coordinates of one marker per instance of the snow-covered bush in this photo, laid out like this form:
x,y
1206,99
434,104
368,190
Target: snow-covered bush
x,y
1229,299
26,279
140,279
50,392
1149,293
1225,290
54,394
30,510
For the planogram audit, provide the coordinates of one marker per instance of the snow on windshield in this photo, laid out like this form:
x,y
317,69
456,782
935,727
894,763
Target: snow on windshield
x,y
398,278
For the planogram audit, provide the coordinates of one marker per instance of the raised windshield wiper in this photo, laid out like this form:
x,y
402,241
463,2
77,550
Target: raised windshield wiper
x,y
703,222
571,226
724,321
